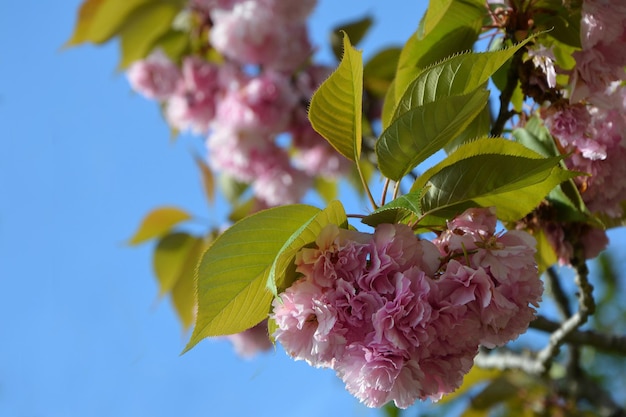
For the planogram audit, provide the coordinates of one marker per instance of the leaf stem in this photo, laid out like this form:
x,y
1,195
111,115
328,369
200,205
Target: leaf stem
x,y
384,195
365,186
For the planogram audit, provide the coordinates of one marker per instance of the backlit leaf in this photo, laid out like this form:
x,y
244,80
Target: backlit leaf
x,y
169,258
336,107
396,211
143,28
157,223
184,292
99,20
457,75
452,26
232,275
491,172
425,129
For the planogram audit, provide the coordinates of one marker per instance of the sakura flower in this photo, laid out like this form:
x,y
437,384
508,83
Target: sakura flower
x,y
155,77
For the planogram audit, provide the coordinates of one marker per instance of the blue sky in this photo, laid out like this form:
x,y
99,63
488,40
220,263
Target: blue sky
x,y
83,159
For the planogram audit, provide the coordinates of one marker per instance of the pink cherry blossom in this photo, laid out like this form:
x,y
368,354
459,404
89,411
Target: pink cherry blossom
x,y
251,33
155,77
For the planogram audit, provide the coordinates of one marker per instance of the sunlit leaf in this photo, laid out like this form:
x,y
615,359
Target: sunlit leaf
x,y
99,20
157,223
452,26
184,292
425,129
491,172
282,272
396,211
336,107
457,75
169,258
545,255
143,28
232,275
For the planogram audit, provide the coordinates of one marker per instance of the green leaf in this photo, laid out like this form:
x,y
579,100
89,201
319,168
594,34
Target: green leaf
x,y
396,211
282,273
336,107
478,128
534,135
474,377
169,258
157,223
423,130
491,172
233,272
326,188
355,30
184,292
545,255
99,20
452,26
208,180
380,70
143,28
457,75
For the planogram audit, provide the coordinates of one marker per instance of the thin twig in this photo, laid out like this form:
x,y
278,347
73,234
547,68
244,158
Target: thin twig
x,y
385,188
586,307
605,342
562,302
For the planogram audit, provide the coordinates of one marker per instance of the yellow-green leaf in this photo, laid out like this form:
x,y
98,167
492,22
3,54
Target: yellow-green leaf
x,y
100,20
143,28
232,275
336,107
169,258
184,291
157,223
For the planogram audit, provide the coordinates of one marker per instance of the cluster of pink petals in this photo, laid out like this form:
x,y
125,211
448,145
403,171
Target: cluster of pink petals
x,y
596,139
400,318
602,59
248,104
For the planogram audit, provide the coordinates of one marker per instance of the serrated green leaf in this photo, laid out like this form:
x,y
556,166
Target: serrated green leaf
x,y
157,223
336,107
282,272
396,211
175,44
423,130
233,272
451,27
478,128
143,28
457,75
491,172
355,30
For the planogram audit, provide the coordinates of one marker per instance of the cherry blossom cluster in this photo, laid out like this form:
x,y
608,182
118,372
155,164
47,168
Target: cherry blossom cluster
x,y
590,125
401,318
252,106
